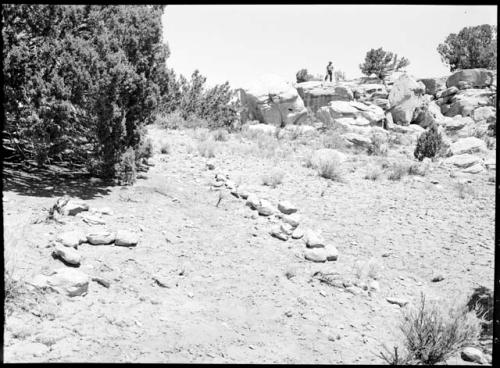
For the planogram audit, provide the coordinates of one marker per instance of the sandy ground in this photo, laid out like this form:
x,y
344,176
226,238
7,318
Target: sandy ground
x,y
228,299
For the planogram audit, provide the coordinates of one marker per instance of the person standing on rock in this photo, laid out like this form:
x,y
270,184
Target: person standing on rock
x,y
329,71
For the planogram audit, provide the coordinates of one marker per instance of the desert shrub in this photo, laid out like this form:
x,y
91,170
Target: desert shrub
x,y
303,76
434,331
329,168
125,169
378,145
207,148
481,302
274,178
201,134
429,143
165,147
220,135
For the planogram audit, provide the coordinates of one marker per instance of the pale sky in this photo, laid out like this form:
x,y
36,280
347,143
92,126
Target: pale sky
x,y
240,43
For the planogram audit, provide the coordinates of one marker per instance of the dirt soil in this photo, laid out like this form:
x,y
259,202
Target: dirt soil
x,y
232,293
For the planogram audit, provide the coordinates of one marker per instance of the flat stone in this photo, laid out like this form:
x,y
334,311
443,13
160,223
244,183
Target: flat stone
x,y
93,220
265,208
474,169
398,301
126,238
71,238
277,233
315,254
67,254
287,208
101,237
332,254
297,233
253,201
293,219
73,207
313,239
470,354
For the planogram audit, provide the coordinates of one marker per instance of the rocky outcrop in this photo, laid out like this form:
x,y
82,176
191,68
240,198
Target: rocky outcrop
x,y
471,78
406,99
359,113
433,85
271,100
317,94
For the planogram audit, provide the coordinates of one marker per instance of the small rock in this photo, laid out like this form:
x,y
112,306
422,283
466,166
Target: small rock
x,y
210,166
293,219
73,207
230,184
287,229
398,301
332,254
218,184
354,290
101,237
438,278
374,286
220,177
126,238
315,254
93,220
313,239
161,281
278,233
253,201
103,210
287,208
243,193
71,238
297,233
67,254
265,208
470,354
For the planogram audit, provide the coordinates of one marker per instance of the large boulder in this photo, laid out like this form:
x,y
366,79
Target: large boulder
x,y
406,98
484,113
316,94
476,78
359,113
272,100
465,102
467,145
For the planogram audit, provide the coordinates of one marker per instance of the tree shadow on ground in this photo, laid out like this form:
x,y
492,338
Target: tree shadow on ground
x,y
52,182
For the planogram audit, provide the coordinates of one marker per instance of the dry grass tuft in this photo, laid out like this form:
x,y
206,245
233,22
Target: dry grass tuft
x,y
207,148
329,168
274,178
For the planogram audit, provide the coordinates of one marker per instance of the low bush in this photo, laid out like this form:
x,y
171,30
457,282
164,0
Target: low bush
x,y
429,143
397,171
220,135
373,173
274,178
378,145
145,149
333,139
481,302
433,331
329,168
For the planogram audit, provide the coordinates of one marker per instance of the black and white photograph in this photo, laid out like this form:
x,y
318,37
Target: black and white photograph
x,y
249,184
